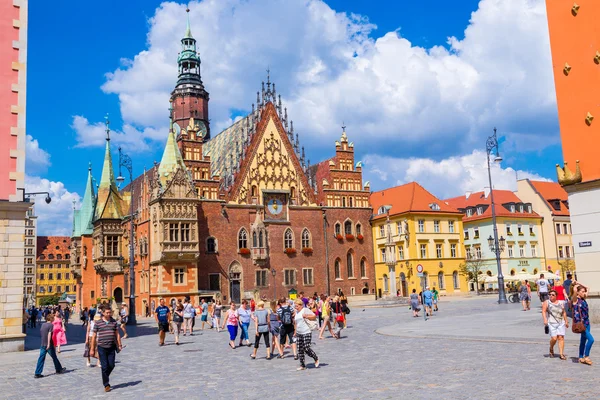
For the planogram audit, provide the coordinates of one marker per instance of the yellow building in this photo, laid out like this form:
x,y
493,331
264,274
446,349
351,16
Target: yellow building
x,y
54,275
423,230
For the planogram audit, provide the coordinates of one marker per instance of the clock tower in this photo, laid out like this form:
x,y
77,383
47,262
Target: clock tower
x,y
189,99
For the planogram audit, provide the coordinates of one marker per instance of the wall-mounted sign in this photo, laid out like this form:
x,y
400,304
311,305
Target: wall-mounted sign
x,y
585,244
523,263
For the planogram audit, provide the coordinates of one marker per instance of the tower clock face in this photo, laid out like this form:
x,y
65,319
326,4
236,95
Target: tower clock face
x,y
202,130
275,206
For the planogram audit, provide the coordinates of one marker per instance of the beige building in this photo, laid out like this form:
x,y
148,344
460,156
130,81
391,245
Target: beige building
x,y
551,201
30,255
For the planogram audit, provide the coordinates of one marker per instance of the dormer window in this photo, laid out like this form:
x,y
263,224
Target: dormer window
x,y
469,212
520,208
556,205
434,206
512,208
479,210
529,208
381,210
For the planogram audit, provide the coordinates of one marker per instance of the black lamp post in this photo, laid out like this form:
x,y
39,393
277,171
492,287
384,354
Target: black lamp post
x,y
496,246
274,273
125,161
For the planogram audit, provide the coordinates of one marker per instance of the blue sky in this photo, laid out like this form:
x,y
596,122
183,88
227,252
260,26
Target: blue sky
x,y
416,104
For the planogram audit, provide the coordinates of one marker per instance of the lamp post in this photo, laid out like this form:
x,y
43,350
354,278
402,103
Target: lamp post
x,y
274,273
125,161
495,245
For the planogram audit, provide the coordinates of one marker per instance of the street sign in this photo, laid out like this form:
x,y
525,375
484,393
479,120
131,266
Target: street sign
x,y
585,244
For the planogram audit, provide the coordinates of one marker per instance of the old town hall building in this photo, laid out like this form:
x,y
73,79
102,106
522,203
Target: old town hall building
x,y
240,214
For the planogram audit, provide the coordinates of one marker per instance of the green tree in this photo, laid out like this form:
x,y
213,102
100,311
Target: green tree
x,y
49,300
472,267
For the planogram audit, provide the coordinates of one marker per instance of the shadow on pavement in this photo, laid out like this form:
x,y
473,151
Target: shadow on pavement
x,y
126,384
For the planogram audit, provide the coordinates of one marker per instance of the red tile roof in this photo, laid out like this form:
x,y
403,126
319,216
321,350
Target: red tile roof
x,y
502,200
410,197
53,246
554,194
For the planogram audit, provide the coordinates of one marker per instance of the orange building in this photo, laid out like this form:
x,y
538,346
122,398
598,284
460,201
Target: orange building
x,y
575,45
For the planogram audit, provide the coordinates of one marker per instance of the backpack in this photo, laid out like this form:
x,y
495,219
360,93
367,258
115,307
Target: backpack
x,y
286,315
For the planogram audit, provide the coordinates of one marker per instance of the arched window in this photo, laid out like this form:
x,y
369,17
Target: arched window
x,y
351,202
337,269
343,202
363,268
455,280
441,280
338,229
211,245
59,256
358,229
348,227
254,240
512,272
350,264
305,239
260,239
288,239
243,239
253,191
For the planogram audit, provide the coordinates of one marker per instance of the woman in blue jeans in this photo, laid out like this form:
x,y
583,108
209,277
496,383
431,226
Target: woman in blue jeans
x,y
581,314
244,316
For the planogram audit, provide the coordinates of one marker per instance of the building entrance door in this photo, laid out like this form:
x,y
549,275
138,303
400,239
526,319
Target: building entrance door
x,y
234,289
118,294
403,285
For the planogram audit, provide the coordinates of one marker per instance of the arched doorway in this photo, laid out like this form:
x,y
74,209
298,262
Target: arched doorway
x,y
118,295
403,285
235,282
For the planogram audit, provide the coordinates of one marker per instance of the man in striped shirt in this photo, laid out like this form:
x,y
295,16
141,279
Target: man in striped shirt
x,y
106,336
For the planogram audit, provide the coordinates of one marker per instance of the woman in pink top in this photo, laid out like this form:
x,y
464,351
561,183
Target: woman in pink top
x,y
232,321
58,332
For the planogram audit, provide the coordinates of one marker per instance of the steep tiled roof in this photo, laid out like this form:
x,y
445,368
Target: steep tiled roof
x,y
83,218
137,186
226,147
110,204
320,172
410,197
502,199
554,195
50,247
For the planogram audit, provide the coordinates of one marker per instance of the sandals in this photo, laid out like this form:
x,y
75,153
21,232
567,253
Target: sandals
x,y
551,354
563,357
233,347
585,360
252,356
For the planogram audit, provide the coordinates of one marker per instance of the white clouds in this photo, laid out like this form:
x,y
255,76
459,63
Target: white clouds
x,y
36,159
445,178
55,218
330,69
88,135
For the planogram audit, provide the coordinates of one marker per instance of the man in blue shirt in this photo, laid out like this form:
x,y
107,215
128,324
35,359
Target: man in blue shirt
x,y
427,300
162,315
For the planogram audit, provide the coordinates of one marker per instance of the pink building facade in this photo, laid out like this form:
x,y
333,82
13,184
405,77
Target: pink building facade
x,y
13,208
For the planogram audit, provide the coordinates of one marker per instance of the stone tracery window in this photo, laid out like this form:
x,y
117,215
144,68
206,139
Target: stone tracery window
x,y
305,239
288,239
243,239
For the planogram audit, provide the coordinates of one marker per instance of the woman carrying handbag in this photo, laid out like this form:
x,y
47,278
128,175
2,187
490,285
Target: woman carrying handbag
x,y
581,322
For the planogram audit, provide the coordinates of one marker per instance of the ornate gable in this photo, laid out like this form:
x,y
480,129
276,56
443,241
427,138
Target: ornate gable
x,y
179,187
271,164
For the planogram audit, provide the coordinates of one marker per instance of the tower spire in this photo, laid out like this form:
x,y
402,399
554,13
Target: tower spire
x,y
188,30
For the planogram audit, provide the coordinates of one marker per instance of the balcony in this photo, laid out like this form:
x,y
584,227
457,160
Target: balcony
x,y
179,251
260,255
109,265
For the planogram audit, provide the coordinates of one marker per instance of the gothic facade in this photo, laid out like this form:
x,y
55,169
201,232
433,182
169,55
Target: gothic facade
x,y
239,215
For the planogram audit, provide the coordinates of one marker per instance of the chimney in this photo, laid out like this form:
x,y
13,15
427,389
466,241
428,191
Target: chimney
x,y
467,195
486,192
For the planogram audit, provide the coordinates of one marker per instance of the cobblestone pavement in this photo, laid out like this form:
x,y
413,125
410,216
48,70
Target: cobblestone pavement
x,y
464,351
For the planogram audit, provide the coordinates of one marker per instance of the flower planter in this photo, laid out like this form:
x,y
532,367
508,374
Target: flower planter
x,y
349,237
290,251
307,250
244,251
339,237
360,237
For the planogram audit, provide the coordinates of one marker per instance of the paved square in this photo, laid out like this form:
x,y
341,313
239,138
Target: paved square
x,y
472,348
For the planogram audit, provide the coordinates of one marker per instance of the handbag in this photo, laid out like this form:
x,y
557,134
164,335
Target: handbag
x,y
312,324
578,327
339,317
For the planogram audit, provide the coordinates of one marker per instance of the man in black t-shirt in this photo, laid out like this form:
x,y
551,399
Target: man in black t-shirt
x,y
162,315
47,347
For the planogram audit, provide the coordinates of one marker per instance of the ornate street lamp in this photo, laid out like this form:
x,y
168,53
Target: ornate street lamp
x,y
125,161
495,246
274,273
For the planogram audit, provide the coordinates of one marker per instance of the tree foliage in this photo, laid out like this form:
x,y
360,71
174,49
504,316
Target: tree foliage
x,y
49,300
473,268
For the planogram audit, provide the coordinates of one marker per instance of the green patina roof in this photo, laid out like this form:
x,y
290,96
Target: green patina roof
x,y
171,160
188,30
83,218
110,203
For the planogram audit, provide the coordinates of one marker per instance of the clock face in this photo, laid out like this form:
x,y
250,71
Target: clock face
x,y
275,206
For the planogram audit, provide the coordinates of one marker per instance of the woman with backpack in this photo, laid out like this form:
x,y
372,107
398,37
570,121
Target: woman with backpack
x,y
262,324
285,314
303,334
177,320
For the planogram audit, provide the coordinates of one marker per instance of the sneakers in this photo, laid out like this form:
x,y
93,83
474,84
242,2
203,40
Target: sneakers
x,y
88,364
107,388
38,376
62,371
317,363
300,368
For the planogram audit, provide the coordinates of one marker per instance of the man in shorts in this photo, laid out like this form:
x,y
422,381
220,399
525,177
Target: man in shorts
x,y
285,314
427,300
204,315
162,315
436,296
543,287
